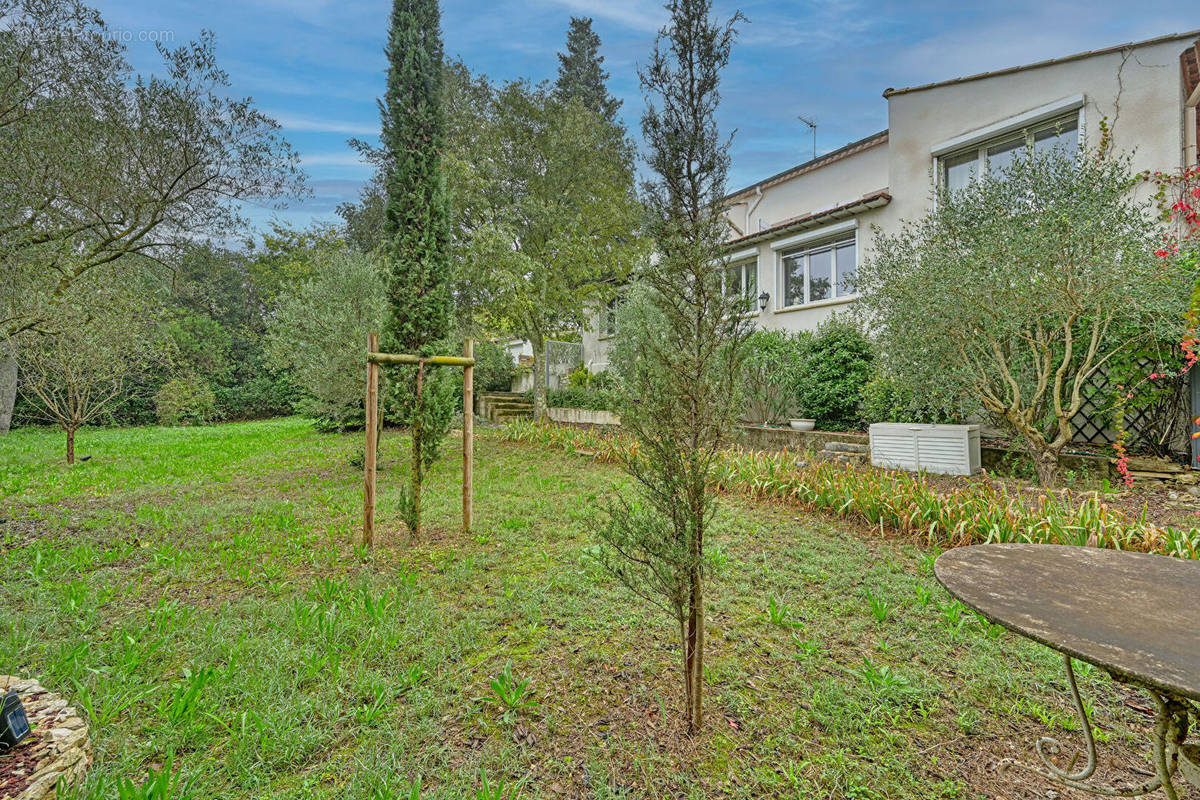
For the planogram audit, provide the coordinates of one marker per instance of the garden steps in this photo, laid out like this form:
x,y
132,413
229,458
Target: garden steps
x,y
502,407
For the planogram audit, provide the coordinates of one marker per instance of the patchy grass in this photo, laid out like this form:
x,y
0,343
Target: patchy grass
x,y
198,591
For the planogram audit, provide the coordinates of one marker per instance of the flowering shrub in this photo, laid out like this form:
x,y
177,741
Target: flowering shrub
x,y
1178,197
903,503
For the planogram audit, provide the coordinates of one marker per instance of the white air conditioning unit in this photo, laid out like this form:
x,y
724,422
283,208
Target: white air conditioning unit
x,y
942,449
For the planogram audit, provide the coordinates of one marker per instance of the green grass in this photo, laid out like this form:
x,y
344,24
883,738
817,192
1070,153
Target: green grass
x,y
198,591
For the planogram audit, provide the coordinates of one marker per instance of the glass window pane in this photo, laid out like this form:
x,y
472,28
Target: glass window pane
x,y
732,284
847,267
751,284
960,170
820,276
1000,157
1064,134
793,280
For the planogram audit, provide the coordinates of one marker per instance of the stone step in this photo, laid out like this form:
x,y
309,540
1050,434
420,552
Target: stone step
x,y
510,405
847,447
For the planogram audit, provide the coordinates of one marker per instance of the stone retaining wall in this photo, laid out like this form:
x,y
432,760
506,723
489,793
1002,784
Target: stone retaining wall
x,y
57,748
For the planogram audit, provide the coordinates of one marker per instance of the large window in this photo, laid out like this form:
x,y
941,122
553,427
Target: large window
x,y
822,272
995,156
741,281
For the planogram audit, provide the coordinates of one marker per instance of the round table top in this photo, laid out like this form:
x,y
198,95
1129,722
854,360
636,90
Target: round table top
x,y
1133,614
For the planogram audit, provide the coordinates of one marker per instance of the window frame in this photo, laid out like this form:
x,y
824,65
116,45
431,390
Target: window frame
x,y
981,147
746,266
828,244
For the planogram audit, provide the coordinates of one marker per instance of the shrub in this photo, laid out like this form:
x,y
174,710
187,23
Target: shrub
x,y
886,398
834,367
578,397
770,373
186,401
494,367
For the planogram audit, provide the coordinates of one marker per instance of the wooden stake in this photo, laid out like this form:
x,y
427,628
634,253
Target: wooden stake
x,y
468,479
372,412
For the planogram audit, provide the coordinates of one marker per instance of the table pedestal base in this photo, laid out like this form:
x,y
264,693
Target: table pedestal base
x,y
1171,755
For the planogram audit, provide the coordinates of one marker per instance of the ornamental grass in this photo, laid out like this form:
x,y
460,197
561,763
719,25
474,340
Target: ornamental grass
x,y
904,503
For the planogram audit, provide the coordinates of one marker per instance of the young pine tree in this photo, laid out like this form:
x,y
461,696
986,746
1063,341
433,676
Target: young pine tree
x,y
580,74
680,339
417,229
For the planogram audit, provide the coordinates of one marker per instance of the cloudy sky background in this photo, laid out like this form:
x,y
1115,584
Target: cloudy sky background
x,y
317,66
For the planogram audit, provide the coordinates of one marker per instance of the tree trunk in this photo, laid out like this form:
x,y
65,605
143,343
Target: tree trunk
x,y
70,446
417,436
1045,462
8,383
540,364
696,648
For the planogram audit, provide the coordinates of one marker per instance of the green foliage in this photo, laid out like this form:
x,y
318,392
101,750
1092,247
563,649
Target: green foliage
x,y
510,694
834,367
417,211
581,77
416,224
903,502
319,332
553,227
495,367
679,357
96,341
579,397
771,371
885,398
1013,292
98,167
185,401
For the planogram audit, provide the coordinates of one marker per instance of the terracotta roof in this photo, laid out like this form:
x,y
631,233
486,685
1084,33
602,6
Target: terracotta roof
x,y
1104,51
816,219
820,161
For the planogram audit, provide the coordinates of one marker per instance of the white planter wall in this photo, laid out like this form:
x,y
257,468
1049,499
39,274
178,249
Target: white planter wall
x,y
941,449
583,416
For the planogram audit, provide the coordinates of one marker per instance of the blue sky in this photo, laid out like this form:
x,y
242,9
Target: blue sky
x,y
317,65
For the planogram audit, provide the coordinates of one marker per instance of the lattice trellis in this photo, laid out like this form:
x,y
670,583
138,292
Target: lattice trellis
x,y
1156,426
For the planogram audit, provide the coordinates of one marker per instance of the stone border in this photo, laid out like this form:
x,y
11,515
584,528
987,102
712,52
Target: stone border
x,y
57,749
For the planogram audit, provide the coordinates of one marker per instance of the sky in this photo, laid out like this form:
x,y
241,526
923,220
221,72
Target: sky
x,y
317,66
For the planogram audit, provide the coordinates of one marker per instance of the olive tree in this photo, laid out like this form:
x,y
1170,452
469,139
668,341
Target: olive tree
x,y
90,348
318,331
1013,292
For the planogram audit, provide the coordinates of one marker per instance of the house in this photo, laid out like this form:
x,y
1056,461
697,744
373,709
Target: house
x,y
798,237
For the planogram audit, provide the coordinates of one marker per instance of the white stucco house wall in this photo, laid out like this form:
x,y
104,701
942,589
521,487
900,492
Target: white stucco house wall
x,y
798,237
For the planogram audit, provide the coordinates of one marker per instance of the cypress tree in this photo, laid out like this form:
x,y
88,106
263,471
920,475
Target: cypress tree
x,y
580,75
417,227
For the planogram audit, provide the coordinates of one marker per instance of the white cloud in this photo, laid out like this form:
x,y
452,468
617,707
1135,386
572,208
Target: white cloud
x,y
301,123
646,15
344,159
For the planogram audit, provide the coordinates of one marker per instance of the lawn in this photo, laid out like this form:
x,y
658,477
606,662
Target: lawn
x,y
199,593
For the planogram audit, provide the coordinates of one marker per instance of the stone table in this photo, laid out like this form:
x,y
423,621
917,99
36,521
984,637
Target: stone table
x,y
1137,616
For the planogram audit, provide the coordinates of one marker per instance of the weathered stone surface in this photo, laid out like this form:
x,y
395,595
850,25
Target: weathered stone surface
x,y
58,748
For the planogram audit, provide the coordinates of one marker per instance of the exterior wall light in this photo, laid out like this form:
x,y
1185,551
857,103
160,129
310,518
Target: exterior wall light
x,y
763,299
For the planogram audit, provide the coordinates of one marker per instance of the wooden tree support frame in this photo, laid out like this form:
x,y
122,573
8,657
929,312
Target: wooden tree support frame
x,y
375,360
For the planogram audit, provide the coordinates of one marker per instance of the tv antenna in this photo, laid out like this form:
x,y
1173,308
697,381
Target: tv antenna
x,y
812,125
